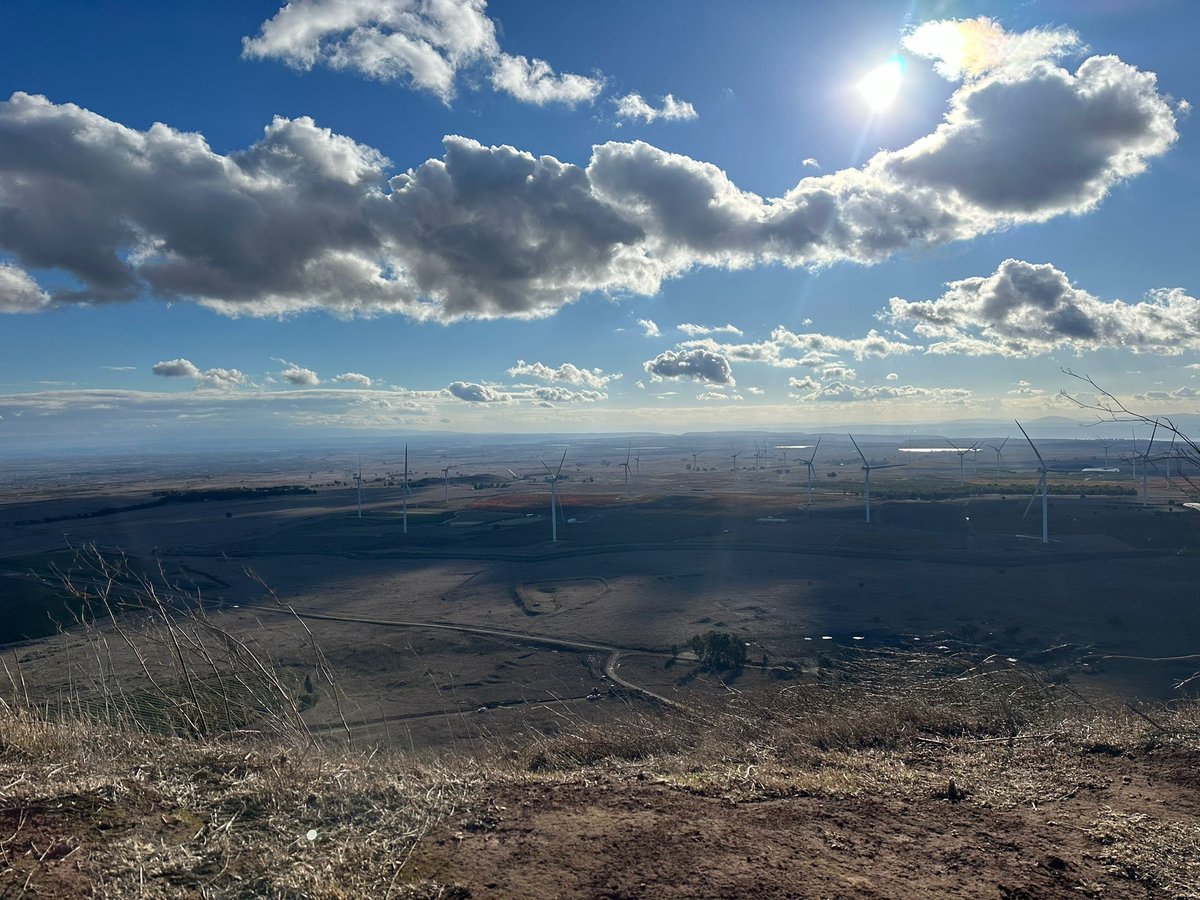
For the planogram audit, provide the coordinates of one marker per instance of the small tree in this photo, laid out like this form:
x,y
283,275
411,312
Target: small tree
x,y
719,650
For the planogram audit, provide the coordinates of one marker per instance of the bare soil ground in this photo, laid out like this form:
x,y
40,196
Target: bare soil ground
x,y
638,835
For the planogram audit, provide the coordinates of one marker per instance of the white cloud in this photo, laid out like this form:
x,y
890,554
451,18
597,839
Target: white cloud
x,y
1174,395
307,219
534,81
716,396
1026,309
634,106
650,329
19,293
120,368
176,368
567,372
807,383
699,365
974,48
220,379
891,376
839,392
692,330
839,373
475,393
558,394
810,163
353,378
209,379
300,376
755,391
424,43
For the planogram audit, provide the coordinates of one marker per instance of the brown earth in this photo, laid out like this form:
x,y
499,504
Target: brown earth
x,y
639,836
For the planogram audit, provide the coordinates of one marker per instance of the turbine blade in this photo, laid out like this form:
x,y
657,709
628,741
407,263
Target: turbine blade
x,y
1033,498
856,447
560,464
1031,444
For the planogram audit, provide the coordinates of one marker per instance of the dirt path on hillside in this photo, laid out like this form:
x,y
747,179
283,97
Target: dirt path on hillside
x,y
624,838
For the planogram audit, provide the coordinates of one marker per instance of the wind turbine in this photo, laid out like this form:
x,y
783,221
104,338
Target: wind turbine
x,y
1144,456
695,454
867,467
998,457
405,491
734,455
637,462
809,463
358,482
1043,472
554,507
624,465
446,484
962,459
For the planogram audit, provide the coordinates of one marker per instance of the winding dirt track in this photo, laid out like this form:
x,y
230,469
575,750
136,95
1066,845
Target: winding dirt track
x,y
610,666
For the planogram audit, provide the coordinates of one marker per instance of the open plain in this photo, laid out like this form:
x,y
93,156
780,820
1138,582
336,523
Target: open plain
x,y
473,623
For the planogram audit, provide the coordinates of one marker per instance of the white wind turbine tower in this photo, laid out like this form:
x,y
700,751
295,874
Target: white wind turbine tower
x,y
734,455
446,484
998,448
405,491
867,467
358,482
695,455
624,465
554,507
962,459
1043,472
637,462
809,463
1144,456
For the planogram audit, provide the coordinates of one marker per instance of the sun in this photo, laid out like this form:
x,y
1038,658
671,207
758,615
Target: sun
x,y
880,86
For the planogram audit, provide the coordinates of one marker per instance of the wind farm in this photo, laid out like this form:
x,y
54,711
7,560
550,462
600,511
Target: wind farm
x,y
452,534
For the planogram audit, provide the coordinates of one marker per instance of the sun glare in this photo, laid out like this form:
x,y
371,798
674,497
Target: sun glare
x,y
880,85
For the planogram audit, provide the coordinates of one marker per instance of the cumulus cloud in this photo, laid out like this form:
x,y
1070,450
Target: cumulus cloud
x,y
220,379
176,368
973,48
807,383
216,379
1174,395
649,328
787,349
692,330
19,293
810,163
558,394
839,373
534,81
755,391
307,219
353,378
1026,309
891,376
299,376
567,372
716,396
475,393
423,43
699,365
840,392
634,106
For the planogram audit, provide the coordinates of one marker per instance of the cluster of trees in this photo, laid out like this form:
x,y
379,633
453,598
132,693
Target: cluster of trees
x,y
719,650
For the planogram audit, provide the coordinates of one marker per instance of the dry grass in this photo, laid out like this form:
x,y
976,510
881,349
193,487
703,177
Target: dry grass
x,y
192,771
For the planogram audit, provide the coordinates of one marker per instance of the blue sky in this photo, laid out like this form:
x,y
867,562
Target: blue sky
x,y
1024,203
